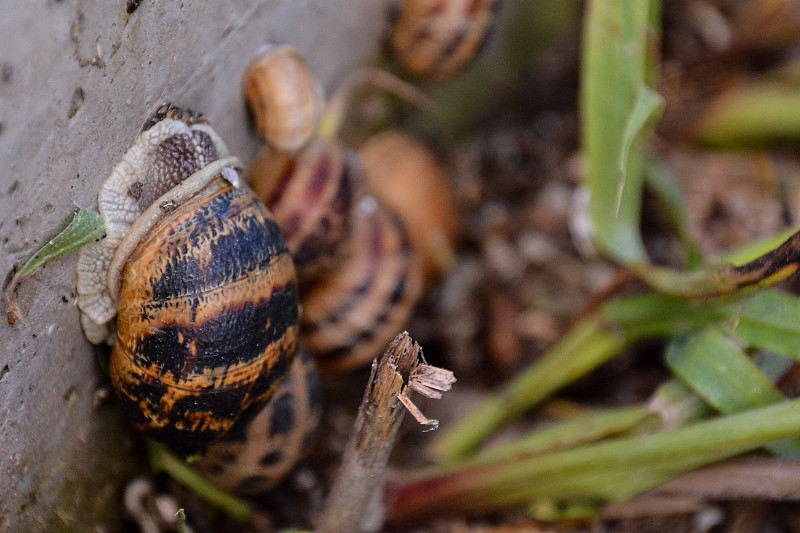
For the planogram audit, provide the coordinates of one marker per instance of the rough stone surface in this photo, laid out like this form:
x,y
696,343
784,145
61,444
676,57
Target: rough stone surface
x,y
77,78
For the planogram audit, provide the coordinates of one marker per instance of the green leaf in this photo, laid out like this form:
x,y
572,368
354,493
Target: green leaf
x,y
648,104
86,226
752,115
569,433
719,371
769,320
725,377
615,104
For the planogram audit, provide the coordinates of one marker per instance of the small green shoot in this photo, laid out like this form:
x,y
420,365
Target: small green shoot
x,y
86,226
163,460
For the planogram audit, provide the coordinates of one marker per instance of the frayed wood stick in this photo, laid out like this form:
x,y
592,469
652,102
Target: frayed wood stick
x,y
361,474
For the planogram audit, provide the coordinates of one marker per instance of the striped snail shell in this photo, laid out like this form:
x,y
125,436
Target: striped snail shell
x,y
311,195
258,452
359,276
352,313
434,39
285,98
403,174
200,280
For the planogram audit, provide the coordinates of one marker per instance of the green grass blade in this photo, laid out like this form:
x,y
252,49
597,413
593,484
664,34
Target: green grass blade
x,y
648,105
719,371
725,377
163,460
754,250
86,226
609,471
769,320
616,56
754,115
569,433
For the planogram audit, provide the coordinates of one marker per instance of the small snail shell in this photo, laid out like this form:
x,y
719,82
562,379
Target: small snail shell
x,y
285,98
350,315
256,454
405,177
434,39
207,307
311,195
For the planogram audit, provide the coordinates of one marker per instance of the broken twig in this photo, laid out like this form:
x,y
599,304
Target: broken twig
x,y
374,432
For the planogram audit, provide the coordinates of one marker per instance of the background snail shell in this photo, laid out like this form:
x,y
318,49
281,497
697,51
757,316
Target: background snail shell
x,y
351,314
256,454
285,98
405,177
207,313
311,195
359,276
434,39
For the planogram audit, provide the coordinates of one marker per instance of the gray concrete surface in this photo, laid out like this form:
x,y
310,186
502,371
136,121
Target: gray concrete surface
x,y
77,78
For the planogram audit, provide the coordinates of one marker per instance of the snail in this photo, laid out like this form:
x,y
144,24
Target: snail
x,y
434,39
405,176
364,277
200,279
311,195
256,454
359,274
285,98
352,313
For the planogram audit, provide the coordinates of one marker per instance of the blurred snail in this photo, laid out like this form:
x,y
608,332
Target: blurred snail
x,y
311,195
359,279
286,99
405,176
351,314
434,39
257,453
359,274
200,279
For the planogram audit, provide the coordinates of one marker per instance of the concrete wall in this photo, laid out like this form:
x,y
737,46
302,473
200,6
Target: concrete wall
x,y
77,78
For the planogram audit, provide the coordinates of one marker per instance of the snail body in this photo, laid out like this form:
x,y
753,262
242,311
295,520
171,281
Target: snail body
x,y
434,39
202,284
285,98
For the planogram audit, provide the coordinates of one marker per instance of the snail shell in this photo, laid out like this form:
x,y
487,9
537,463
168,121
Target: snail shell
x,y
359,276
256,454
285,98
434,39
352,313
311,195
405,177
207,306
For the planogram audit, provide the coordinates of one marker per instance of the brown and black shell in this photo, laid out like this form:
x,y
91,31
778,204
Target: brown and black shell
x,y
206,323
266,444
201,282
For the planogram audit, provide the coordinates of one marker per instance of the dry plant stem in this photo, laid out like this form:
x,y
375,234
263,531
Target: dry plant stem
x,y
371,441
337,105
